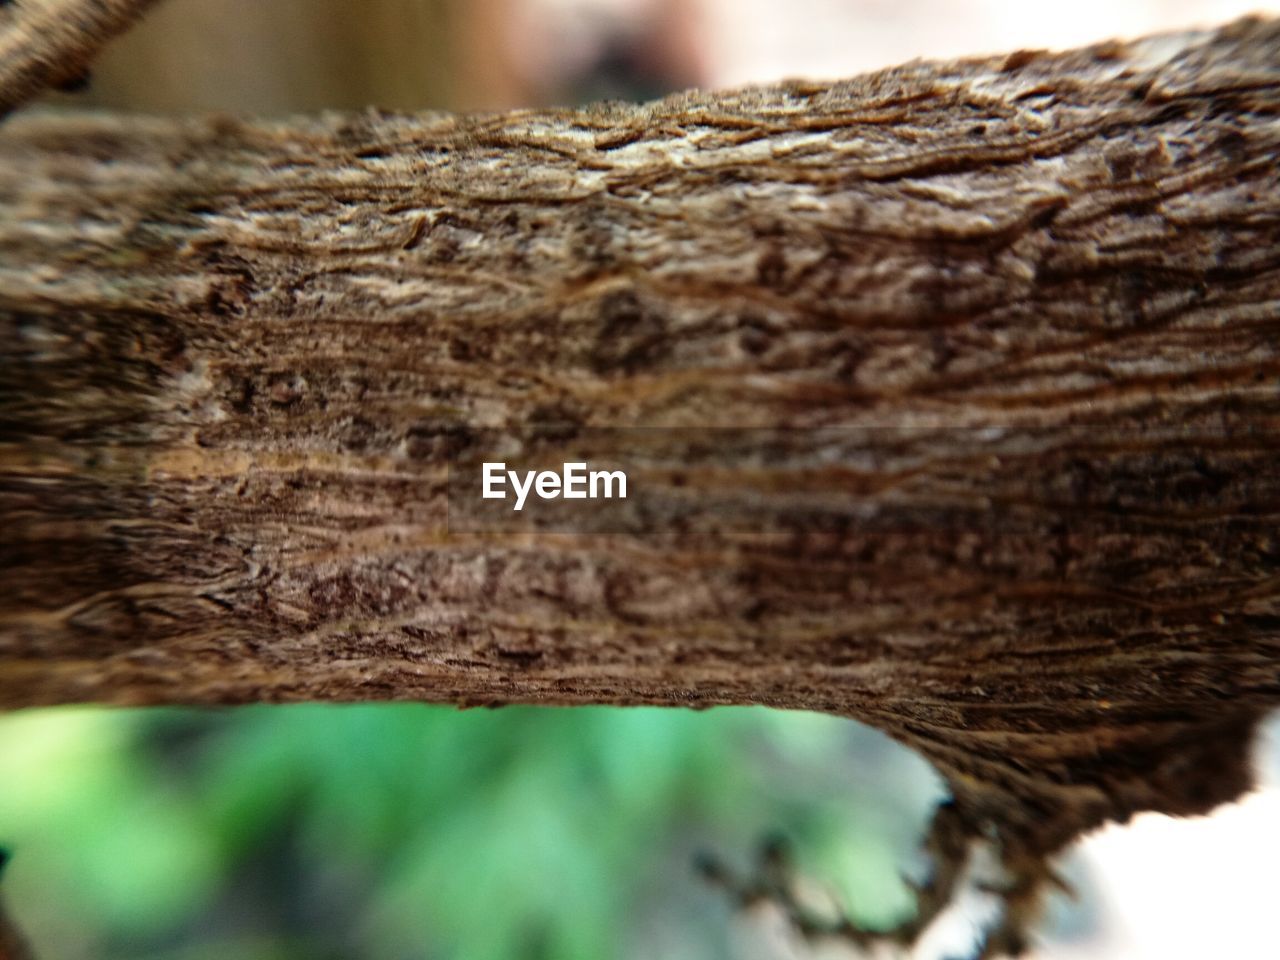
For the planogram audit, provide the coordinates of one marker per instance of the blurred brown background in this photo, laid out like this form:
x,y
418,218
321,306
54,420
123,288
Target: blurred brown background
x,y
285,56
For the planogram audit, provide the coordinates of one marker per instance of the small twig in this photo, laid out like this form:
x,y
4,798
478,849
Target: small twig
x,y
48,43
774,879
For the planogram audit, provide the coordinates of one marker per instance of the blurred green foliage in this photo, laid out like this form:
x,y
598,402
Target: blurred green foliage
x,y
393,832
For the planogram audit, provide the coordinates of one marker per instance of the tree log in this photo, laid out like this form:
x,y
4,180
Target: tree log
x,y
1033,297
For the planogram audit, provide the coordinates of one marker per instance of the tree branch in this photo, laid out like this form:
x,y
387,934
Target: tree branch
x,y
46,43
1033,296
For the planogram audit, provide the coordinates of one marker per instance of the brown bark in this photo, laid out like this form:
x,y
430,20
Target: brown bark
x,y
1038,292
46,43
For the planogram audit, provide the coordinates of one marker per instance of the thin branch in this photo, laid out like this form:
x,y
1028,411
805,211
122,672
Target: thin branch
x,y
45,43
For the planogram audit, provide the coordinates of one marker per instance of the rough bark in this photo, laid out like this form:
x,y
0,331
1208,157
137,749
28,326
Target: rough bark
x,y
47,43
237,355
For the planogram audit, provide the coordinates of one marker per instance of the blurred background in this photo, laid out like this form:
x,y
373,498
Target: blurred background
x,y
407,832
286,56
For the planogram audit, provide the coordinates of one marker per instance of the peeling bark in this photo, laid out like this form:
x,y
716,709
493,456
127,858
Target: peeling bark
x,y
236,353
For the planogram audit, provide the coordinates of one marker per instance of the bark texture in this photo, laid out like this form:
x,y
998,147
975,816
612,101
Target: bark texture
x,y
1040,291
47,43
